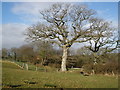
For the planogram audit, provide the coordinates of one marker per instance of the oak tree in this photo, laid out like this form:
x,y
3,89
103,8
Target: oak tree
x,y
64,24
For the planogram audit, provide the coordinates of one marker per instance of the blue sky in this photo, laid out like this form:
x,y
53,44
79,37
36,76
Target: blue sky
x,y
17,16
105,10
108,8
7,15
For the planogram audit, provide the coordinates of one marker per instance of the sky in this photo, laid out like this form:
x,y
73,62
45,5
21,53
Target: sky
x,y
17,16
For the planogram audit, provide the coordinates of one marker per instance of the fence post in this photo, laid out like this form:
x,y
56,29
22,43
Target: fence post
x,y
93,71
36,68
113,73
23,65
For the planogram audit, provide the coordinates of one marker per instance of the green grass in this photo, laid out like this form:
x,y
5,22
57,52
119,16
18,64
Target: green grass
x,y
13,75
7,64
39,68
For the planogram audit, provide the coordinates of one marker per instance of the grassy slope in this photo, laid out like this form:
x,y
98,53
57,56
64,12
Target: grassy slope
x,y
13,75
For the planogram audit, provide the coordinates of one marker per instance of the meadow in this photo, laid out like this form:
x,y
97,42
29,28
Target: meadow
x,y
15,77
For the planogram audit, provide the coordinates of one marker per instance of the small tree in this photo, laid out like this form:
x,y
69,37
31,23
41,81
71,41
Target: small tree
x,y
4,53
14,52
64,24
43,49
26,52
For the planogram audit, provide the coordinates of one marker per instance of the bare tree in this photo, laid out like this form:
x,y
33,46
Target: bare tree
x,y
14,51
83,51
64,24
103,36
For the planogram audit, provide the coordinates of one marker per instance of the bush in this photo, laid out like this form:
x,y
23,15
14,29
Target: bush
x,y
88,68
54,65
107,68
111,67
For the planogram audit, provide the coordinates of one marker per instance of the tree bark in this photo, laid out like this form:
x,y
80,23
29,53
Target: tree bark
x,y
64,58
95,61
95,58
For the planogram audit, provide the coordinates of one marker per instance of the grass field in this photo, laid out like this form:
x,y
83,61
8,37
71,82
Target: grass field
x,y
13,76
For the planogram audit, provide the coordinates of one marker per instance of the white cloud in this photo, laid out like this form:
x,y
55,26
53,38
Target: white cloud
x,y
27,8
30,11
12,35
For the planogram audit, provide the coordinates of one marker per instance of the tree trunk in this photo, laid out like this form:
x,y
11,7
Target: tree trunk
x,y
95,58
64,58
95,61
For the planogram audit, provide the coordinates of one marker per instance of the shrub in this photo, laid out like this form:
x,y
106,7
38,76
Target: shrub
x,y
109,68
88,68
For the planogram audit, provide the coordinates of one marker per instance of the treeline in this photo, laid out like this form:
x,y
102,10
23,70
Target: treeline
x,y
37,52
43,53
